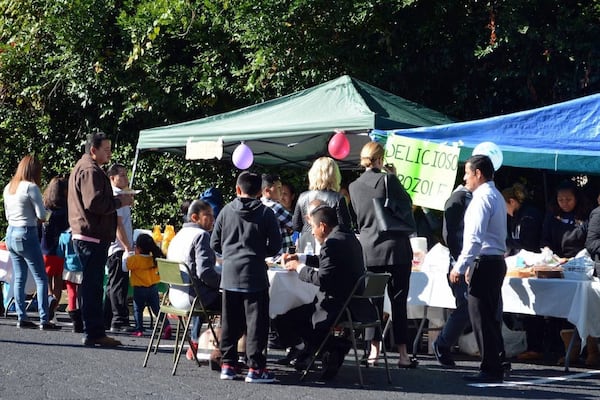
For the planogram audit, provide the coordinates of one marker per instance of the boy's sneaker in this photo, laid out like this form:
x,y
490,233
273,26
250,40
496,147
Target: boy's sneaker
x,y
137,333
228,372
443,355
259,376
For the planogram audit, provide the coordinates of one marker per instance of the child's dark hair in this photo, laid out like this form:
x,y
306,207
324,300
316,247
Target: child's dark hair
x,y
146,245
250,183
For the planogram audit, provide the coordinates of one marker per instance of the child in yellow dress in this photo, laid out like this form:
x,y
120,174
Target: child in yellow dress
x,y
144,280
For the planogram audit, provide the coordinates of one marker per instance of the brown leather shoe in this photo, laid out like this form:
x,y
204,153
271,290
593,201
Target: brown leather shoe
x,y
530,356
104,341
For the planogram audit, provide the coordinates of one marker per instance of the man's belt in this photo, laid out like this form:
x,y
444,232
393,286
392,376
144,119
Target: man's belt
x,y
489,257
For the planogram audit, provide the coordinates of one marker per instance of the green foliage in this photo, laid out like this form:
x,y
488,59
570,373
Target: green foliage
x,y
168,180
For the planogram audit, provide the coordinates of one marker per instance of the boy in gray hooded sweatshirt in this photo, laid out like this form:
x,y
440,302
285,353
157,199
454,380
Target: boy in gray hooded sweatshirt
x,y
245,233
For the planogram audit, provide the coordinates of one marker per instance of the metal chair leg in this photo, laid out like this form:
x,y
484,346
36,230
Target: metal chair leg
x,y
186,325
315,355
353,339
161,317
385,359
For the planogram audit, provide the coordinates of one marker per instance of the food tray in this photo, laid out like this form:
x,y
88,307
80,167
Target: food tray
x,y
548,272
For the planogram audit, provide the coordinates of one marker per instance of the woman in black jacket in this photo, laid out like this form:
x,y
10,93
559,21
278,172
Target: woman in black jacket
x,y
385,251
565,225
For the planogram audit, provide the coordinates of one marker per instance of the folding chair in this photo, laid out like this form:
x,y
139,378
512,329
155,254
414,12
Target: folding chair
x,y
171,274
374,287
30,300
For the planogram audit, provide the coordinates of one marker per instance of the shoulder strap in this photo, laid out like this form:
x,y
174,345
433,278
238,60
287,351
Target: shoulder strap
x,y
385,185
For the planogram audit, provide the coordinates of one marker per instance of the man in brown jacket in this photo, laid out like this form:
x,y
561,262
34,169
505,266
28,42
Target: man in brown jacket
x,y
93,220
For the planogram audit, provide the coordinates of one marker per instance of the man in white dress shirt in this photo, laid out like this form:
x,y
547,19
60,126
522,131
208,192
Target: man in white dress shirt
x,y
482,262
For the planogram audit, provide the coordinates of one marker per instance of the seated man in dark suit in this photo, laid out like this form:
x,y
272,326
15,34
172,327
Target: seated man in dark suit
x,y
335,270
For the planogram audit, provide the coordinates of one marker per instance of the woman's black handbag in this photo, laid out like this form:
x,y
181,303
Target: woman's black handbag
x,y
391,216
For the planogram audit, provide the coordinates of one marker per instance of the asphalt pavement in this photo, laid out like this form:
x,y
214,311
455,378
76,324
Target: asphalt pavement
x,y
55,365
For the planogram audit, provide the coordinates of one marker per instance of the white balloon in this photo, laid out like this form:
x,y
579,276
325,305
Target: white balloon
x,y
492,151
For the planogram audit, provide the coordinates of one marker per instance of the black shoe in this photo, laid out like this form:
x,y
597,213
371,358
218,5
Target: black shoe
x,y
52,304
300,363
274,343
75,316
411,365
49,326
506,368
104,341
443,355
331,364
26,324
483,377
289,357
122,329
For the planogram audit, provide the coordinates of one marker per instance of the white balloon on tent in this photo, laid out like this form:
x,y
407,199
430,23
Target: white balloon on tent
x,y
491,150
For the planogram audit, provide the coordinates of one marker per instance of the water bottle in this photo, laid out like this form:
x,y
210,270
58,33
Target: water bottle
x,y
308,249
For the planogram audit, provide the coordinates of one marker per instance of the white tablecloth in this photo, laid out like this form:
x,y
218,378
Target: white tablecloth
x,y
287,291
6,275
577,301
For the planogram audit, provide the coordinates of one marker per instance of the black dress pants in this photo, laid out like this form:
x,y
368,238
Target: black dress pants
x,y
245,312
485,299
116,291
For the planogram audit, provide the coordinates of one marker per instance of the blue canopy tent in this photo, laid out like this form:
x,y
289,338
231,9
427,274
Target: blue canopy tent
x,y
561,137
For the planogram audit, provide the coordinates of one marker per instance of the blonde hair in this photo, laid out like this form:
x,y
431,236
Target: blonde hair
x,y
324,175
371,152
29,169
517,192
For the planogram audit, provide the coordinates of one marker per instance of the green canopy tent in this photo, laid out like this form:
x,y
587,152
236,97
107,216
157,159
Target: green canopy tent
x,y
294,130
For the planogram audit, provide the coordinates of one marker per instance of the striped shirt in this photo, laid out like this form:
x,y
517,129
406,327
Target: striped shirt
x,y
285,221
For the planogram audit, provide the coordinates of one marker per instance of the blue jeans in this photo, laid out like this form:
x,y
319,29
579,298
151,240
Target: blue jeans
x,y
143,296
93,259
26,253
459,319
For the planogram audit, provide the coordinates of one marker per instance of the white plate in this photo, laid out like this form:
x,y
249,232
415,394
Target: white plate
x,y
130,191
277,268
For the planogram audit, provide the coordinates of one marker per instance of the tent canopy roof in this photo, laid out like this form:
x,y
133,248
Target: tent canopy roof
x,y
295,129
560,137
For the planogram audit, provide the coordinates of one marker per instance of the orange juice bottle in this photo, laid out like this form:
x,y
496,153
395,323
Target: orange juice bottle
x,y
157,235
167,236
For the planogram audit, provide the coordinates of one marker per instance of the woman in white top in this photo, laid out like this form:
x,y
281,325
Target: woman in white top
x,y
24,208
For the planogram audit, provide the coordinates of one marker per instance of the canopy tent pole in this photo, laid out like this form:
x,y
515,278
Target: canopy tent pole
x,y
135,160
545,180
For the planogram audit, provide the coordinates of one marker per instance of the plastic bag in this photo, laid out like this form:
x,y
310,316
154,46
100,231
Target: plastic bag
x,y
579,268
437,259
515,342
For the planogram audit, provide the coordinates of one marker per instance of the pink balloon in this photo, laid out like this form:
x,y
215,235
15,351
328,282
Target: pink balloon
x,y
339,146
242,156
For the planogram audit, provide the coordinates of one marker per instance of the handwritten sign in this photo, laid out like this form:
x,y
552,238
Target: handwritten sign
x,y
426,170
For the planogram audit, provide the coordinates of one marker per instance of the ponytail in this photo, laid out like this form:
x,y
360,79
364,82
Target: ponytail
x,y
146,244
